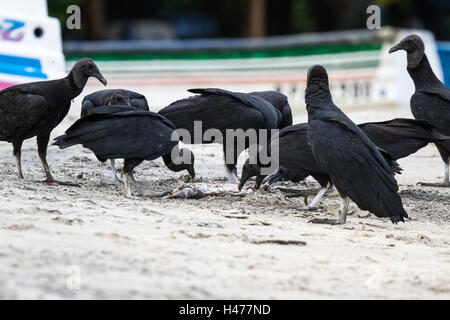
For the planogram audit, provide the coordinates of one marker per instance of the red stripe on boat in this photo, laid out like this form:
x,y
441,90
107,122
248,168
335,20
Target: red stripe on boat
x,y
4,85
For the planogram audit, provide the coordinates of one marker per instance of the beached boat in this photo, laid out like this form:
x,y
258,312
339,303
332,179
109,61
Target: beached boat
x,y
362,73
30,43
444,55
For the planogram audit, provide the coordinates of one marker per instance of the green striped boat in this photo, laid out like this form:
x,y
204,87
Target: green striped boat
x,y
362,73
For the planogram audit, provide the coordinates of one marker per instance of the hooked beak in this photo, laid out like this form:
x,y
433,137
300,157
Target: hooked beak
x,y
244,178
100,78
395,48
191,172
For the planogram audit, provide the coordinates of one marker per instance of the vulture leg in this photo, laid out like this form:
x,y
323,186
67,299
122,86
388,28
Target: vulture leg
x,y
445,155
446,182
17,145
344,210
317,198
128,178
42,142
129,181
342,214
138,190
114,170
447,173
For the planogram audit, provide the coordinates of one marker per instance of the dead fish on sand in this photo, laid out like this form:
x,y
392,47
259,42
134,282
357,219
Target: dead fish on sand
x,y
197,191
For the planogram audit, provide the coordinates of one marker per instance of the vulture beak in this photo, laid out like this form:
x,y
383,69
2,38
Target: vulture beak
x,y
191,172
395,48
243,180
100,78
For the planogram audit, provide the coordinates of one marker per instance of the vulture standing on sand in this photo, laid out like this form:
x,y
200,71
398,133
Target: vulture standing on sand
x,y
122,132
113,97
220,110
295,162
398,137
431,100
34,109
355,164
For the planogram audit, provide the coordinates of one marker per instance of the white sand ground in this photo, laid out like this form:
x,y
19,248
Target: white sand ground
x,y
92,242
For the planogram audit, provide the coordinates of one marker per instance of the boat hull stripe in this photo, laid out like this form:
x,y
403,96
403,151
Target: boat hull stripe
x,y
21,66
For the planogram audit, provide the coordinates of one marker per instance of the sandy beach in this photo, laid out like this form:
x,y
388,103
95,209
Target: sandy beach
x,y
90,241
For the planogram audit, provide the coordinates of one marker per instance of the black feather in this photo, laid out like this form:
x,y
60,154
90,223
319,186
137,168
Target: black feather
x,y
431,99
102,97
34,109
129,134
354,163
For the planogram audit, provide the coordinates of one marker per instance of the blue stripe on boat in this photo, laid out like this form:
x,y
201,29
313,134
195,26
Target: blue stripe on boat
x,y
21,66
444,55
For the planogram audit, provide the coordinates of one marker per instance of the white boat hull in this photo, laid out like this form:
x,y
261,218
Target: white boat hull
x,y
30,43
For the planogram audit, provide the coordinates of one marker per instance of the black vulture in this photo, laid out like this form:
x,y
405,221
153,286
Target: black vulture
x,y
280,102
113,97
122,132
431,99
355,164
295,162
399,137
34,109
402,137
220,110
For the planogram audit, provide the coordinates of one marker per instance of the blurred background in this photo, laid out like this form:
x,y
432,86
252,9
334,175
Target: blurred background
x,y
161,48
187,19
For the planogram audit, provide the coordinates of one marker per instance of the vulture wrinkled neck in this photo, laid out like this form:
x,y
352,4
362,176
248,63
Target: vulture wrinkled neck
x,y
422,74
74,85
317,93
